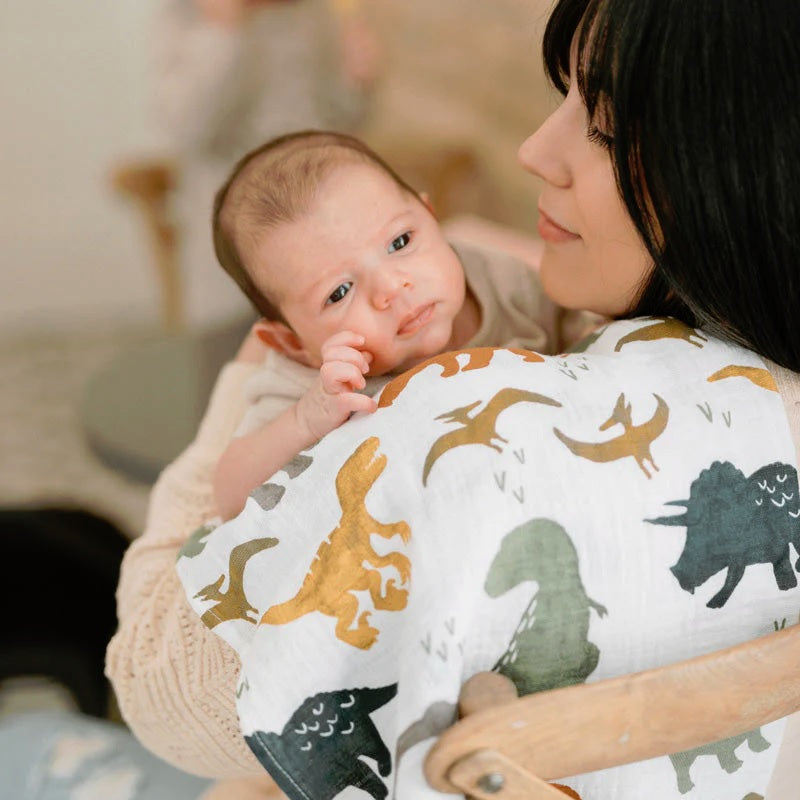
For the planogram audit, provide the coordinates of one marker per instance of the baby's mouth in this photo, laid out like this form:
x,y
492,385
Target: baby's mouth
x,y
415,320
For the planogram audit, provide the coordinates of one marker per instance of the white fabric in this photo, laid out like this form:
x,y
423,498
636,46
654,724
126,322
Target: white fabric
x,y
520,526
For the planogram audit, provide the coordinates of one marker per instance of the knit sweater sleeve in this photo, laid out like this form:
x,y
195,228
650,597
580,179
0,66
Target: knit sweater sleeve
x,y
174,679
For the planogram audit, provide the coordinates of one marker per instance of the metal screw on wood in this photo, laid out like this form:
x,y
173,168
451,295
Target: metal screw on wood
x,y
491,783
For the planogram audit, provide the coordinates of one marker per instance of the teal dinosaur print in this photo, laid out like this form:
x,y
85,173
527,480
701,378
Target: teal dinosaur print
x,y
734,521
725,752
550,647
329,744
196,542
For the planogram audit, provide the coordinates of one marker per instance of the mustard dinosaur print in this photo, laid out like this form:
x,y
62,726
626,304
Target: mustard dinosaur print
x,y
634,441
479,429
479,357
663,328
345,563
232,604
757,375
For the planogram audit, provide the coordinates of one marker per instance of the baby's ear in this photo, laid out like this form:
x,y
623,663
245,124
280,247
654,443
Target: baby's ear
x,y
282,338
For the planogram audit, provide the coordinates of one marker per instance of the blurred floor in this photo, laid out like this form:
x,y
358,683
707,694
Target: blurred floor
x,y
44,456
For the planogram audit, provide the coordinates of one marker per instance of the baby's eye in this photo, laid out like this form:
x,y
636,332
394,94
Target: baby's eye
x,y
399,243
339,292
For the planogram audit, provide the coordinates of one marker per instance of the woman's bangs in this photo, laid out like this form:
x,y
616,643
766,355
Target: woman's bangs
x,y
564,21
596,59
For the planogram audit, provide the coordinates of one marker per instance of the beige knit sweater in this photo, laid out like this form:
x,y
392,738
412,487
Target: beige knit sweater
x,y
175,679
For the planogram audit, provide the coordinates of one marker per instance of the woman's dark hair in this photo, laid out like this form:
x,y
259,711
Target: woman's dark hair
x,y
702,99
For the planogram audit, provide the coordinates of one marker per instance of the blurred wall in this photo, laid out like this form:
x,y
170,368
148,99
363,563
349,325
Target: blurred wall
x,y
74,100
468,71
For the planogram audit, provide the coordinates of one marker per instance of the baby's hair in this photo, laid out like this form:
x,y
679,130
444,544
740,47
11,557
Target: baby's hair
x,y
276,184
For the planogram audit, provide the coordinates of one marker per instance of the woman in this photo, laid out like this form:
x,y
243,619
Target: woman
x,y
668,189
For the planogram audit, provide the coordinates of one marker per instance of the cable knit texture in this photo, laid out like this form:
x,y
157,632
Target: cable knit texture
x,y
173,678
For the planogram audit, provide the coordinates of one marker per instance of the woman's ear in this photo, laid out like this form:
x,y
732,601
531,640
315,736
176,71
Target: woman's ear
x,y
280,337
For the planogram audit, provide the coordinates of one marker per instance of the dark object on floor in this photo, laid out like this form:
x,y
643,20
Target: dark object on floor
x,y
61,568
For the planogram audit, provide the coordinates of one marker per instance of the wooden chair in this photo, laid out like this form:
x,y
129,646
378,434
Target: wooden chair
x,y
149,184
510,748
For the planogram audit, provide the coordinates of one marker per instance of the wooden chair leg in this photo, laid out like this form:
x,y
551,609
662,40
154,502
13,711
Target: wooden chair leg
x,y
149,184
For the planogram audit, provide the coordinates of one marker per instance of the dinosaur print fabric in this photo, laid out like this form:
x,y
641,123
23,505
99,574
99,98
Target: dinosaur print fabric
x,y
558,519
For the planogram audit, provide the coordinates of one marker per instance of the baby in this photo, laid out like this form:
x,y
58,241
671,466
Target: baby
x,y
355,280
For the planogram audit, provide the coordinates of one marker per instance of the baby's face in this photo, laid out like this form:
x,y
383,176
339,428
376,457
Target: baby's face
x,y
369,258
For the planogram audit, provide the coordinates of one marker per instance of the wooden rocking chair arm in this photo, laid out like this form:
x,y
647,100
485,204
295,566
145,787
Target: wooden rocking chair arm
x,y
587,727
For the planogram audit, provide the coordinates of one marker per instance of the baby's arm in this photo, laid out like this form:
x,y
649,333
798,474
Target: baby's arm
x,y
250,459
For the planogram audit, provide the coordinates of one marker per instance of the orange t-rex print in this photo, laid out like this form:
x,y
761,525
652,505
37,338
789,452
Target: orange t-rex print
x,y
662,328
481,428
346,563
757,375
232,603
634,441
479,357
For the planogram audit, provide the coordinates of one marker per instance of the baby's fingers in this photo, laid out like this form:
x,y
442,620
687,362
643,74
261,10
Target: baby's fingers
x,y
341,376
352,402
348,355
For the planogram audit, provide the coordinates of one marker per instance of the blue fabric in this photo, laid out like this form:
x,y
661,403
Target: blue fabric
x,y
54,755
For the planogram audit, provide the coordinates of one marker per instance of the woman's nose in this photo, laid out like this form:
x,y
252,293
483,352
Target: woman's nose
x,y
387,285
543,153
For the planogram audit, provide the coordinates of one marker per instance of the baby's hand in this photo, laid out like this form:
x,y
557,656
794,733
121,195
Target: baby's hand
x,y
335,396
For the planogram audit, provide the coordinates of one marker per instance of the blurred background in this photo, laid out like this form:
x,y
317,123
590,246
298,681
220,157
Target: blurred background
x,y
107,351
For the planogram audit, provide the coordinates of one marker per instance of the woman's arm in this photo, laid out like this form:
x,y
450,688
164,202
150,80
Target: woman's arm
x,y
174,679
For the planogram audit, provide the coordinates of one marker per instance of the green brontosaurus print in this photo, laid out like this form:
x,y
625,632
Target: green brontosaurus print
x,y
634,441
550,647
725,752
478,358
232,603
480,428
346,562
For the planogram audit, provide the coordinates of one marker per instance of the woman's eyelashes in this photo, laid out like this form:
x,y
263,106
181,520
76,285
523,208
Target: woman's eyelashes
x,y
596,136
339,293
399,242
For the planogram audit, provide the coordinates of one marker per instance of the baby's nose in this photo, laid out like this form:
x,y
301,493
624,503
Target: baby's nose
x,y
387,287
